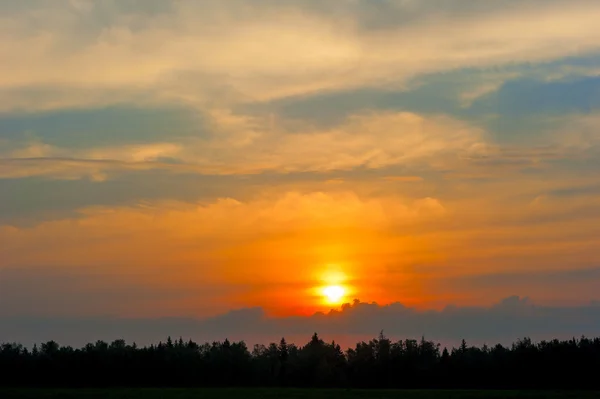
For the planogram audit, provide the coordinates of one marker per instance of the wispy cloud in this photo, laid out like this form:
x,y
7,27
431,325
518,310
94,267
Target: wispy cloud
x,y
308,48
246,145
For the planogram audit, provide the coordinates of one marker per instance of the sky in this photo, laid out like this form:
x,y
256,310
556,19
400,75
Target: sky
x,y
211,167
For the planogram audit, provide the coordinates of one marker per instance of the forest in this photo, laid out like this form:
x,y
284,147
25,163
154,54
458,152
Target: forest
x,y
379,363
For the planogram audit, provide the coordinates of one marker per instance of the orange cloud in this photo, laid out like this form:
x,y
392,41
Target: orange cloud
x,y
273,51
402,178
287,240
248,145
272,251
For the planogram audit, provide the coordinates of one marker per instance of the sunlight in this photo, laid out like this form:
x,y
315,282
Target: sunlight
x,y
334,288
334,293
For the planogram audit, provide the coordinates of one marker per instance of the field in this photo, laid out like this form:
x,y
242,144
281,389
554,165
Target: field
x,y
282,394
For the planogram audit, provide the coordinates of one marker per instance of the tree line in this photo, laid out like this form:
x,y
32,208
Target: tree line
x,y
379,363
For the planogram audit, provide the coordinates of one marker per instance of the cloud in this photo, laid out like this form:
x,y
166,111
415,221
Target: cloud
x,y
509,102
504,322
70,168
249,145
402,178
33,200
192,244
421,248
80,128
314,48
551,286
529,98
152,109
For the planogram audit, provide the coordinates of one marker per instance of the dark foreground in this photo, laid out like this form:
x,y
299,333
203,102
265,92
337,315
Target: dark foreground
x,y
284,394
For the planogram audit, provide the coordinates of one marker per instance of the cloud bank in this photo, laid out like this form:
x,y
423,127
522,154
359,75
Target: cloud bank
x,y
504,322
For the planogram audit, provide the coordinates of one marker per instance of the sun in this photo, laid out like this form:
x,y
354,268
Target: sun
x,y
334,293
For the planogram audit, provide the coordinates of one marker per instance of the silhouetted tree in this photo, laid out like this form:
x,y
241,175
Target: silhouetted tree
x,y
379,363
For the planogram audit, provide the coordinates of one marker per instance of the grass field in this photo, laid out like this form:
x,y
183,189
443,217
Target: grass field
x,y
282,394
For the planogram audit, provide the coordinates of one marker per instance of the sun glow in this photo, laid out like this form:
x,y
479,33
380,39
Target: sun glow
x,y
334,293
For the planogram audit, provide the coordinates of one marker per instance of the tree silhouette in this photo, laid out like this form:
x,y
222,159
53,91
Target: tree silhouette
x,y
379,363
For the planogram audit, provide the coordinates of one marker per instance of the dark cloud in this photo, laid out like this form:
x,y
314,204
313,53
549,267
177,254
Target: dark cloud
x,y
526,97
520,108
504,322
390,14
329,109
576,191
32,200
111,126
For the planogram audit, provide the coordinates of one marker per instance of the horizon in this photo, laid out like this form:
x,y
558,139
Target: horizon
x,y
505,322
231,168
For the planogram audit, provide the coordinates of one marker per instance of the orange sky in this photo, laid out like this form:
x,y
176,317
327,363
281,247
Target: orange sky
x,y
275,252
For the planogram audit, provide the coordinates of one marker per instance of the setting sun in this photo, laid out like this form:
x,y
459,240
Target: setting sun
x,y
334,293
